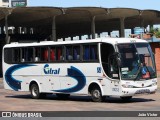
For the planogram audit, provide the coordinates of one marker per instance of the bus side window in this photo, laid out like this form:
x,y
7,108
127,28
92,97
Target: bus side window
x,y
59,54
30,55
86,52
44,54
90,52
93,54
76,53
27,54
8,56
37,54
16,53
52,54
23,58
69,55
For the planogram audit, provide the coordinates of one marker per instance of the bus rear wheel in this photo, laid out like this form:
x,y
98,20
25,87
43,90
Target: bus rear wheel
x,y
35,92
97,95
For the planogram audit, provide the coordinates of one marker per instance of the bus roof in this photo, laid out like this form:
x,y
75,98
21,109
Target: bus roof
x,y
112,41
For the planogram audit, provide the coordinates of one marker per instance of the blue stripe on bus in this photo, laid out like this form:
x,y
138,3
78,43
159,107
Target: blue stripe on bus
x,y
12,82
76,74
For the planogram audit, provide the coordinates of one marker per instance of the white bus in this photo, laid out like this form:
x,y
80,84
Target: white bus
x,y
121,67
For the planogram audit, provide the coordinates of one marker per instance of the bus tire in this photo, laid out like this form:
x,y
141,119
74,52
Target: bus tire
x,y
128,98
97,95
35,92
62,96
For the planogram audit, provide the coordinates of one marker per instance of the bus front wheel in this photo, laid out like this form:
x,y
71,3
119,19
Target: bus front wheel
x,y
97,95
35,92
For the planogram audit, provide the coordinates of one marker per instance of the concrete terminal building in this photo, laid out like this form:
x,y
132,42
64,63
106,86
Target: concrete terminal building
x,y
28,24
4,3
13,3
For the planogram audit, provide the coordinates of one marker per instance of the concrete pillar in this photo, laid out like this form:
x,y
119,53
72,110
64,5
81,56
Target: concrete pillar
x,y
122,27
7,40
93,27
54,28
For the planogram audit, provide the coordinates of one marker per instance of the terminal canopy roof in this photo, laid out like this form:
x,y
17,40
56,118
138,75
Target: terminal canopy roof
x,y
77,20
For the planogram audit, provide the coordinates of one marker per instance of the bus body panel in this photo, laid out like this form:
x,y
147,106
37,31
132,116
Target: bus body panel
x,y
57,77
71,77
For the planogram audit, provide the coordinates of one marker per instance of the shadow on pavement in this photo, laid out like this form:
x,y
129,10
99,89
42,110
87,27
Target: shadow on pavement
x,y
83,99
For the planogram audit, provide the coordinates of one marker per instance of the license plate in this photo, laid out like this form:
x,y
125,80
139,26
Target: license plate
x,y
142,91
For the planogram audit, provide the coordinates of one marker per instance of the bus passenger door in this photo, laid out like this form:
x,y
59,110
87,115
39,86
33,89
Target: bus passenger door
x,y
114,75
113,67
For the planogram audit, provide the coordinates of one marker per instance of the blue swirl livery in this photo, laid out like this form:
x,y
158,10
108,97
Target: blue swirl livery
x,y
12,82
77,75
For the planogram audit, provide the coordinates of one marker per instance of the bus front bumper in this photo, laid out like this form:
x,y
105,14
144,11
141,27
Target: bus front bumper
x,y
138,91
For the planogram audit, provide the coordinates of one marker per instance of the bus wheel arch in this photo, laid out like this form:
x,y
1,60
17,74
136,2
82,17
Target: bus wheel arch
x,y
35,90
96,92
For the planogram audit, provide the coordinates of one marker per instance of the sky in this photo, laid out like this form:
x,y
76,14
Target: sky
x,y
138,4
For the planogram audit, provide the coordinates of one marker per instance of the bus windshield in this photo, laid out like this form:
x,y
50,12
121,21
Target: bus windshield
x,y
137,61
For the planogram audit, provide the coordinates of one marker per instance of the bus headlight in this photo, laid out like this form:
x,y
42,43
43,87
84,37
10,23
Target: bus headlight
x,y
127,86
